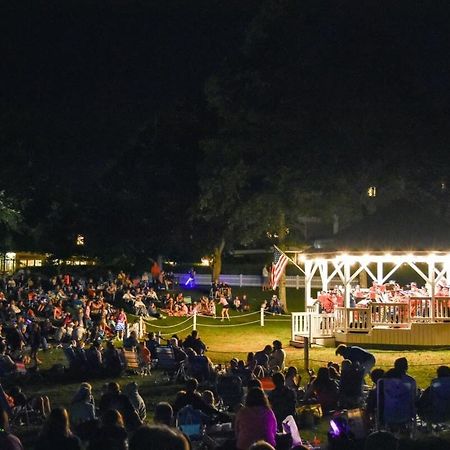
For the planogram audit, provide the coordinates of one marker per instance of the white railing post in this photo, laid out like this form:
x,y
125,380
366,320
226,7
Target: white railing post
x,y
293,330
309,328
262,317
194,320
240,280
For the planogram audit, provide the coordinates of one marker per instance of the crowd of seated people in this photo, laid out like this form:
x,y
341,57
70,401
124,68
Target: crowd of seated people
x,y
273,306
78,313
119,414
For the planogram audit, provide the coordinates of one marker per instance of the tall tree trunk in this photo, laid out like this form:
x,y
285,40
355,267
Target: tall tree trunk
x,y
217,260
282,239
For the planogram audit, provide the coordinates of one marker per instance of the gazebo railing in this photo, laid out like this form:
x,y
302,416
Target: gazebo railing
x,y
420,309
390,314
442,308
312,325
353,319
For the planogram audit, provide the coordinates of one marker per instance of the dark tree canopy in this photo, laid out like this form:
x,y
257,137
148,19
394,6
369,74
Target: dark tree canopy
x,y
174,126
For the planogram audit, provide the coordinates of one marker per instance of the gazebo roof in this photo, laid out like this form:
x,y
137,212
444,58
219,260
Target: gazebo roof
x,y
403,226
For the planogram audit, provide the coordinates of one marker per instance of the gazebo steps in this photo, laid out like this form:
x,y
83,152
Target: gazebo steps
x,y
326,341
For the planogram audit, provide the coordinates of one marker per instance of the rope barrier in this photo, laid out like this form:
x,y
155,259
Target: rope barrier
x,y
177,331
227,326
167,326
277,320
231,317
273,314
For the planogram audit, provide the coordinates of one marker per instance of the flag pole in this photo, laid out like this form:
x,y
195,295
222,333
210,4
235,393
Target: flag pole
x,y
290,259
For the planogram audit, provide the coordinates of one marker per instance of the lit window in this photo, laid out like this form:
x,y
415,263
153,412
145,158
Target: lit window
x,y
372,191
80,239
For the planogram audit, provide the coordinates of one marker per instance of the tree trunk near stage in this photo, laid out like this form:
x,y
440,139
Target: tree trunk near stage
x,y
217,260
281,240
363,279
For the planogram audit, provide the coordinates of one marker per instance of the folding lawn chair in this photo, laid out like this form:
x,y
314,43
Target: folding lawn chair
x,y
396,404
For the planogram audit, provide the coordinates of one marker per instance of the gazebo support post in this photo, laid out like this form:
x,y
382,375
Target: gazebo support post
x,y
380,275
308,280
324,274
347,284
432,285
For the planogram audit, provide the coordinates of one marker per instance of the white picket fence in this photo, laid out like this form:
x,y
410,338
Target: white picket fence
x,y
292,281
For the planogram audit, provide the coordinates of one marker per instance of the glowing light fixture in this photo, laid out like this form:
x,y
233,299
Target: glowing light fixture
x,y
205,261
372,191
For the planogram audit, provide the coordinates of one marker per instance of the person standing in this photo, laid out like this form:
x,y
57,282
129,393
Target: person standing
x,y
225,308
265,278
357,355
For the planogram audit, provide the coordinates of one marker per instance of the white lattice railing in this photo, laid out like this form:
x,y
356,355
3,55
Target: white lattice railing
x,y
442,308
312,325
363,319
353,319
390,314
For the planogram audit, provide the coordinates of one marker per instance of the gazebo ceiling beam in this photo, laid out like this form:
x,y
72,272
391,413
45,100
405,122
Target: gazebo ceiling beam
x,y
425,277
391,272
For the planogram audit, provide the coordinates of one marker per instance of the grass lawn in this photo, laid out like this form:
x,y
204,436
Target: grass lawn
x,y
235,339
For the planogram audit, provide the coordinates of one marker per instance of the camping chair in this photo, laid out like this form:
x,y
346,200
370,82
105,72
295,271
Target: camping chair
x,y
290,427
131,360
189,421
396,404
440,403
199,368
20,415
230,391
166,361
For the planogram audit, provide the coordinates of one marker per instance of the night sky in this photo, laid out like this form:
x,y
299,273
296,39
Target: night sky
x,y
108,111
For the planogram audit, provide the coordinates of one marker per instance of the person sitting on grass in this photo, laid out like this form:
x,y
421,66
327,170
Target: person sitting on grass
x,y
324,390
82,407
56,433
192,397
151,437
163,414
371,401
8,441
131,342
351,385
255,421
113,364
131,391
194,341
7,365
38,403
112,434
282,400
293,382
113,398
277,357
262,358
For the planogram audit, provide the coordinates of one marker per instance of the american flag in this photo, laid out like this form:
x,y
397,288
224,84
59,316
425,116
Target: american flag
x,y
279,264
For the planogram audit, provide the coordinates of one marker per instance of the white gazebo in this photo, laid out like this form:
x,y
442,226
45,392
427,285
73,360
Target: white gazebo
x,y
421,321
